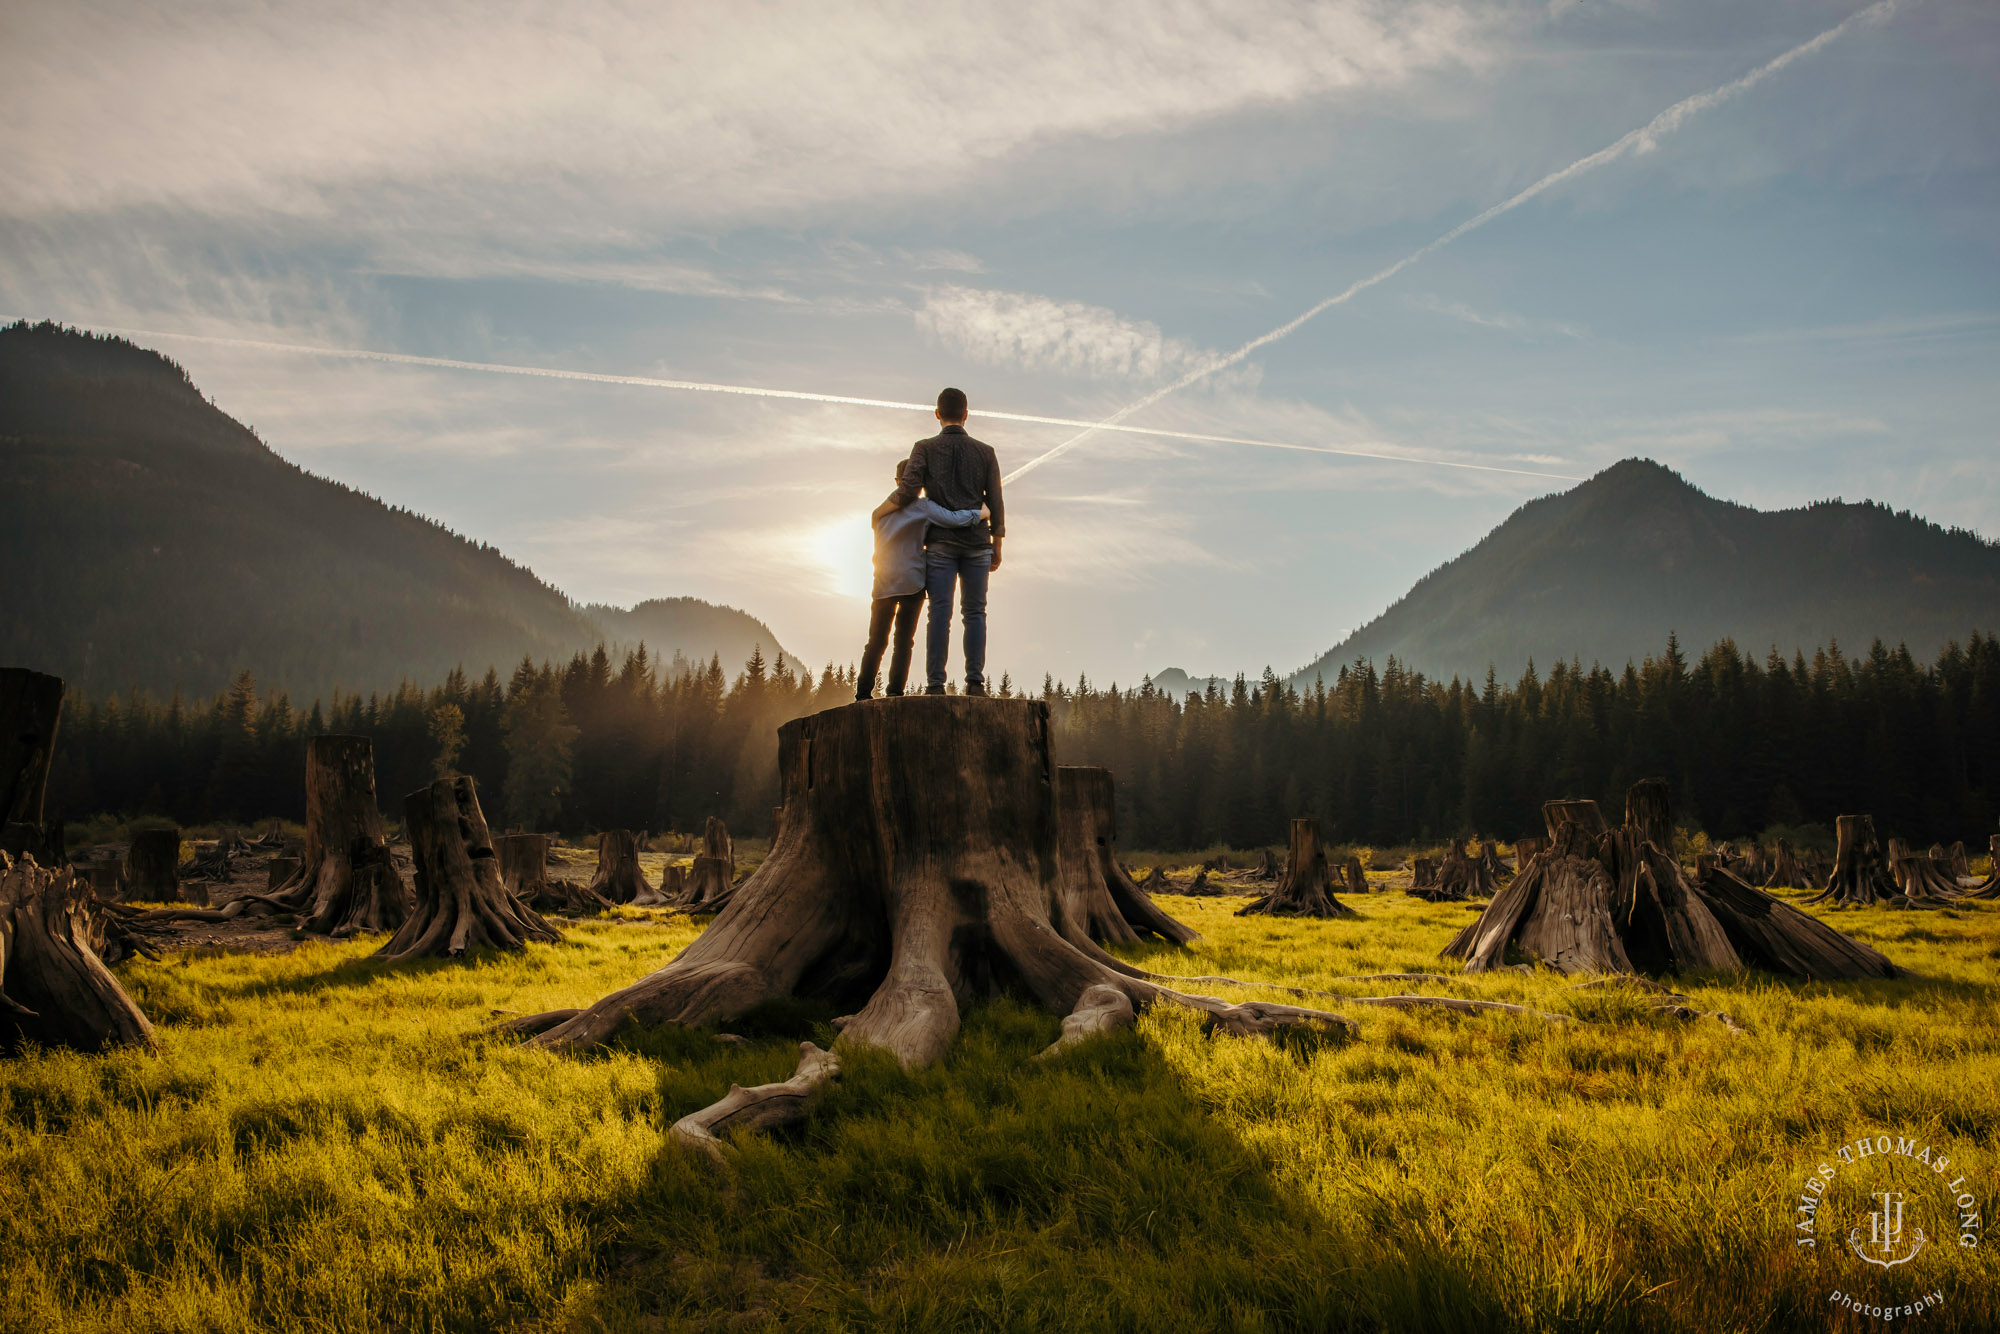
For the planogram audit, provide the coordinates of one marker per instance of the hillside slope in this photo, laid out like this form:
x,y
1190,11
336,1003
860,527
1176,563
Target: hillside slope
x,y
1604,571
152,541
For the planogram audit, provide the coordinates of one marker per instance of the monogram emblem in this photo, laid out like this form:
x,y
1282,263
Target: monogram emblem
x,y
1885,1242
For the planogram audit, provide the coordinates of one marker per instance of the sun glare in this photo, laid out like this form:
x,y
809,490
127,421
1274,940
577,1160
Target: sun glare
x,y
843,552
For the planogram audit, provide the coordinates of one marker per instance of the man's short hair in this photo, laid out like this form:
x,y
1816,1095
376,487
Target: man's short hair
x,y
951,405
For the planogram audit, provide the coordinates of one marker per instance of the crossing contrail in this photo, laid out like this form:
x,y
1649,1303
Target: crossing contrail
x,y
753,391
1640,140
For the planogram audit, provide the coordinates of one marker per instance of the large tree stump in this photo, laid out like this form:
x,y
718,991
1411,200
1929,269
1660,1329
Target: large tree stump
x,y
1267,865
1616,901
54,990
618,878
1861,875
281,869
1989,888
1095,899
1462,876
915,872
1525,850
1355,879
1918,874
1955,864
1423,874
462,903
30,712
713,871
1785,872
524,870
153,867
347,881
1306,889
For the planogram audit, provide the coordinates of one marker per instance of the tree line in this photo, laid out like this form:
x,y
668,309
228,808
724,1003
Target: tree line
x,y
1379,756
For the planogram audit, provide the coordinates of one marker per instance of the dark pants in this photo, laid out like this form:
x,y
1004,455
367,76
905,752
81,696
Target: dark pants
x,y
881,613
941,570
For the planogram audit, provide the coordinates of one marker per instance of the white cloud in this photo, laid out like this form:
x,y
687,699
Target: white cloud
x,y
1504,321
595,120
1037,333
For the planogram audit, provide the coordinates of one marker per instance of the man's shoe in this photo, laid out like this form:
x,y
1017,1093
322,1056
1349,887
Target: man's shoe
x,y
975,690
933,690
861,696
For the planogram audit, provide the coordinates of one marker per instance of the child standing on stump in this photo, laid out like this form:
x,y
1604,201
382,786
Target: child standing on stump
x,y
899,582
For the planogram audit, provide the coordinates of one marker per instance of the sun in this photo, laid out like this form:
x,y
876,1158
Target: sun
x,y
842,556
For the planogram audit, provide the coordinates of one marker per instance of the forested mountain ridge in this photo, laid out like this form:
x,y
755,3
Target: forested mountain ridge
x,y
155,542
1598,573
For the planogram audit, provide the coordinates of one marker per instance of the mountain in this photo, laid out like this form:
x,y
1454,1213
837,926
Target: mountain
x,y
1604,571
1176,682
149,540
688,626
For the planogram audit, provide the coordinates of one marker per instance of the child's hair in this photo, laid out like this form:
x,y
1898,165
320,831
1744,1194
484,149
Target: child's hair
x,y
900,465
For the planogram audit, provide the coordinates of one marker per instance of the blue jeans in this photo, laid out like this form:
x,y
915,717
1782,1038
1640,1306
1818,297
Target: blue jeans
x,y
942,569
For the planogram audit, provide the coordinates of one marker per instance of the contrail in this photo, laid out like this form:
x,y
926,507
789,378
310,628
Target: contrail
x,y
752,391
1642,140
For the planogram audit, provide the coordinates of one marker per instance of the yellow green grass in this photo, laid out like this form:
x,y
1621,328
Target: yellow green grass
x,y
323,1144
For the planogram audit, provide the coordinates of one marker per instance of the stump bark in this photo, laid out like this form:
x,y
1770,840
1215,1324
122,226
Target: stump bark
x,y
618,878
1989,888
1955,864
1525,850
1462,876
1356,879
54,990
713,871
1615,901
1095,899
347,881
1424,873
915,872
1785,872
153,867
1267,866
280,870
30,712
1921,875
1306,889
461,901
1860,875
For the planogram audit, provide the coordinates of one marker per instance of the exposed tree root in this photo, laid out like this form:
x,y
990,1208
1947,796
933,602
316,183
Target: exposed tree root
x,y
759,1108
58,991
1100,1009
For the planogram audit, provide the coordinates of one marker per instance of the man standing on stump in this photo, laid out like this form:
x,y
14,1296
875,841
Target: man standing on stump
x,y
958,473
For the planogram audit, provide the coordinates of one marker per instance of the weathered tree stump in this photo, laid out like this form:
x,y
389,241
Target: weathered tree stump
x,y
618,878
1356,879
713,871
1156,882
1267,866
280,870
1202,887
1423,873
1462,876
1489,861
1784,872
1860,875
347,881
462,902
1989,888
1525,849
106,878
54,990
153,867
1918,874
30,712
1616,901
1095,899
1306,889
915,872
1955,864
524,870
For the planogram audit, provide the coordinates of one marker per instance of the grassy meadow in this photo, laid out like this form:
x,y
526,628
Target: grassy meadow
x,y
325,1144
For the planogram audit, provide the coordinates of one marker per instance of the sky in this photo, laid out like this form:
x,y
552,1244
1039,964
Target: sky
x,y
1787,293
